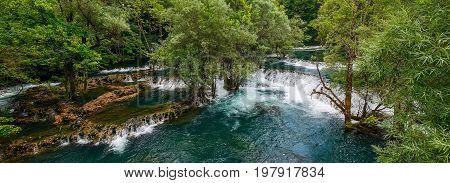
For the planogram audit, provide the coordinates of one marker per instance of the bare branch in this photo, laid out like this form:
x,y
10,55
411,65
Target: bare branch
x,y
328,88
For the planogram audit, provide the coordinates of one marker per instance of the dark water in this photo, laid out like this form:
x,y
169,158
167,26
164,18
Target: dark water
x,y
257,124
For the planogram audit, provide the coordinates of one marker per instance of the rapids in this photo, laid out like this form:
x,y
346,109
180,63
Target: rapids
x,y
272,118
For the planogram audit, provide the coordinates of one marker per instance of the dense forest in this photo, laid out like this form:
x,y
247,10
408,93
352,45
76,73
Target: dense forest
x,y
394,53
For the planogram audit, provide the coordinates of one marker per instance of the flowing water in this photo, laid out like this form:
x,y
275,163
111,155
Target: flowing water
x,y
273,118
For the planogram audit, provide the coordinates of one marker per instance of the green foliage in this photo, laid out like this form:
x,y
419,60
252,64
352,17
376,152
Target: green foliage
x,y
202,34
39,38
371,121
407,61
7,130
6,120
342,25
209,39
273,28
306,10
416,143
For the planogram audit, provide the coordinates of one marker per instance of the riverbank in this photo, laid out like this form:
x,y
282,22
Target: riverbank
x,y
49,121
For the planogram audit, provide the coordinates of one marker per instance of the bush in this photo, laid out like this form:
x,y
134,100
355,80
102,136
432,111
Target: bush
x,y
417,143
7,130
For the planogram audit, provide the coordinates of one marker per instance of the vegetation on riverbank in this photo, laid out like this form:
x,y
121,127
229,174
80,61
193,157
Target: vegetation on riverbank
x,y
398,51
384,55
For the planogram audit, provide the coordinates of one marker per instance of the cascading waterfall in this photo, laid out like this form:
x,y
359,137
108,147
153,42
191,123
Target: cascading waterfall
x,y
304,64
298,88
130,69
120,140
163,83
295,88
8,93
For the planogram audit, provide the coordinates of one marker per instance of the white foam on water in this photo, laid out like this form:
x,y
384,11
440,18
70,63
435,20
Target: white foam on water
x,y
125,70
15,90
304,64
167,83
7,93
144,130
66,143
82,141
120,141
220,90
297,89
309,48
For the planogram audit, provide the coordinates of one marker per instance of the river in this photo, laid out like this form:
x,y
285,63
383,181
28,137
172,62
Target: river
x,y
272,118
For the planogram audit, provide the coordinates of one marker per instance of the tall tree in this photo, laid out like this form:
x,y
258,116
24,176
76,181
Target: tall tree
x,y
202,35
342,25
212,39
408,62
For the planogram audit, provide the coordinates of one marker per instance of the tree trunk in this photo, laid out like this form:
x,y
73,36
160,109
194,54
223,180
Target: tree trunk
x,y
71,78
231,83
348,93
213,88
85,84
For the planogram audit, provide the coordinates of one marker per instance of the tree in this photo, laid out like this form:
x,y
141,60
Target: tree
x,y
407,61
21,20
96,19
43,42
216,39
201,37
62,38
342,25
275,32
306,10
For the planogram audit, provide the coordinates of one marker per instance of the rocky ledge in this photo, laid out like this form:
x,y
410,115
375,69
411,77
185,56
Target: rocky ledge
x,y
87,131
74,122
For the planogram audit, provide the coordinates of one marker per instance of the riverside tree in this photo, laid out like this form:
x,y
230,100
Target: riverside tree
x,y
212,39
408,63
342,25
43,40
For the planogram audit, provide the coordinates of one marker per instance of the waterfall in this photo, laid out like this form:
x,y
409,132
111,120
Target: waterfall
x,y
304,64
8,93
163,83
119,142
130,69
298,87
309,48
129,79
